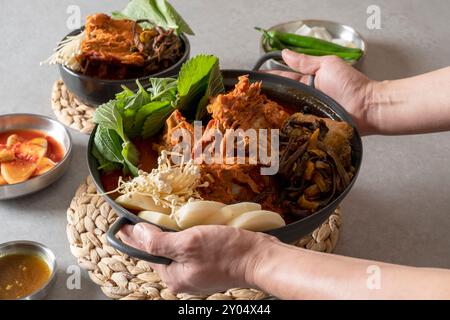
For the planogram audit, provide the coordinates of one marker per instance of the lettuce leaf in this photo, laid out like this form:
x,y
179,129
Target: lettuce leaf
x,y
159,12
173,18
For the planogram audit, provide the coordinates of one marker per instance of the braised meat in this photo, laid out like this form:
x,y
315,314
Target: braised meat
x,y
120,49
314,158
231,183
175,122
246,107
110,40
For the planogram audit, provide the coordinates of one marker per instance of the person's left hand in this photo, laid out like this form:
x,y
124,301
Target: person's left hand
x,y
206,259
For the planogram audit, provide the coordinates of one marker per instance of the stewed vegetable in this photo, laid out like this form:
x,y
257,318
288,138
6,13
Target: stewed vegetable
x,y
315,162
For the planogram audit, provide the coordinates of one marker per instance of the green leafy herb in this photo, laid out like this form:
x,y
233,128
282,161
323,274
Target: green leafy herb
x,y
163,89
173,19
143,113
149,110
139,99
110,149
131,157
110,138
159,12
130,106
193,82
104,164
123,96
108,117
109,144
214,87
156,120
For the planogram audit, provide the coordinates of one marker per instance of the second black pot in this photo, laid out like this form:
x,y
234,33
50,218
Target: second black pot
x,y
94,91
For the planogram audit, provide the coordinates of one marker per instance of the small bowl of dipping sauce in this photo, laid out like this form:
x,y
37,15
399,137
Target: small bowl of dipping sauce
x,y
27,270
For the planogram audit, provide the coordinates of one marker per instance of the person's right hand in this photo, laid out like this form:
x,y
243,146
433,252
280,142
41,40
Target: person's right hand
x,y
340,81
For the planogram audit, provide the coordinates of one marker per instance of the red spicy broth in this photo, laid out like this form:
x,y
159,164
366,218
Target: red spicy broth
x,y
55,151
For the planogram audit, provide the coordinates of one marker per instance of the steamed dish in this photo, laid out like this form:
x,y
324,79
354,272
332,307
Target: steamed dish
x,y
130,44
25,154
121,49
179,185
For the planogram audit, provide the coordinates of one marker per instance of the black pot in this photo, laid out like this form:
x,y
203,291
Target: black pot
x,y
294,94
94,91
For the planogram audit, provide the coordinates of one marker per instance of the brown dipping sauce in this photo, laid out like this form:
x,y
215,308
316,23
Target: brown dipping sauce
x,y
22,275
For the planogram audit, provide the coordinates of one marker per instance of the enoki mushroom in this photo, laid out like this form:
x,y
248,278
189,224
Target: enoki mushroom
x,y
169,185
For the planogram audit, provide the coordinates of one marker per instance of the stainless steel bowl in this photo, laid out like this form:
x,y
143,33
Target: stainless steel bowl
x,y
35,248
53,128
337,30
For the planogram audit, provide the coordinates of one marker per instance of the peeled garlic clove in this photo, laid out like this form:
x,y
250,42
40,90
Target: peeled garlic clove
x,y
159,219
232,211
196,213
261,220
44,166
17,171
138,202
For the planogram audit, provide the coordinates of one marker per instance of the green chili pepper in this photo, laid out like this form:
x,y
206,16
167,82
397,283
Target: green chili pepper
x,y
296,40
273,42
303,42
314,52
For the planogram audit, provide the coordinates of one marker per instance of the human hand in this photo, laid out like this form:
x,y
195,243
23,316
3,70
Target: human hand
x,y
206,259
340,81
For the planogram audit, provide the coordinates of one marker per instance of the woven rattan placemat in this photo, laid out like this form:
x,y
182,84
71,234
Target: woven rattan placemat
x,y
122,277
71,111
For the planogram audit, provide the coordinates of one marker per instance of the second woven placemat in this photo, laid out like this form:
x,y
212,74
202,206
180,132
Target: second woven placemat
x,y
70,111
122,277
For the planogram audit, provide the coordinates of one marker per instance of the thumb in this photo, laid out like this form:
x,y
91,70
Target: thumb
x,y
153,240
302,63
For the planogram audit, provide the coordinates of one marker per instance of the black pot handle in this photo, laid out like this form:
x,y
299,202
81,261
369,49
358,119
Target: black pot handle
x,y
128,250
265,57
276,55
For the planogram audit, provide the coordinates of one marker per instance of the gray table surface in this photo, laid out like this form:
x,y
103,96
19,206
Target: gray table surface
x,y
399,209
